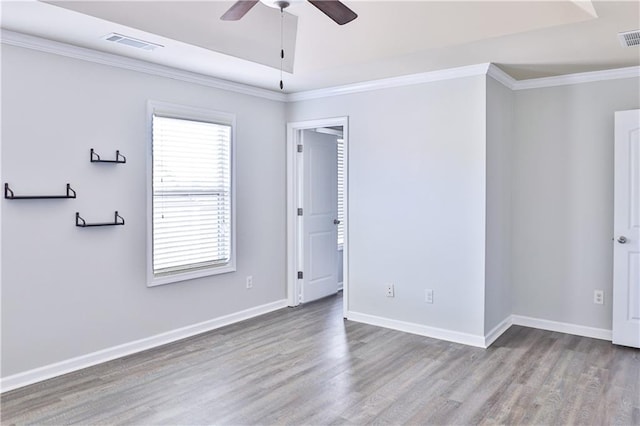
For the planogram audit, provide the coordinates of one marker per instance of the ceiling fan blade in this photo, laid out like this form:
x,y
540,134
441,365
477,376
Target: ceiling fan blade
x,y
238,10
335,10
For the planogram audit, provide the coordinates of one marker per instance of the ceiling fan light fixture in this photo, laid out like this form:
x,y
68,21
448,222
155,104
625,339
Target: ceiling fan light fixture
x,y
276,4
334,9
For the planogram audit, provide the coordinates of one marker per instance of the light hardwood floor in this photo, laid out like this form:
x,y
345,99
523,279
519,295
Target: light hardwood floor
x,y
308,366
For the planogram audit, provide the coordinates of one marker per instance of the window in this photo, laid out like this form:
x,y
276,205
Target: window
x,y
192,202
340,193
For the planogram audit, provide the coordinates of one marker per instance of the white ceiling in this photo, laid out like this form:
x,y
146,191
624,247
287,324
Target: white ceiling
x,y
389,38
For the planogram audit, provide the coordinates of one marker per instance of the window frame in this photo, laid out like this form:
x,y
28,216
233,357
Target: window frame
x,y
194,114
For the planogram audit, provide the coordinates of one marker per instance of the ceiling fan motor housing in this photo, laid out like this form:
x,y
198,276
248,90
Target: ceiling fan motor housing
x,y
277,4
334,9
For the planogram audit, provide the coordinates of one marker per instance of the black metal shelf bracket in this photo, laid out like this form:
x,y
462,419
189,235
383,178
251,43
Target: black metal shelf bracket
x,y
117,220
120,159
9,195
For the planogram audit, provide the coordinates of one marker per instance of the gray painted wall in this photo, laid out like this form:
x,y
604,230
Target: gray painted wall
x,y
498,294
563,199
68,291
416,199
428,204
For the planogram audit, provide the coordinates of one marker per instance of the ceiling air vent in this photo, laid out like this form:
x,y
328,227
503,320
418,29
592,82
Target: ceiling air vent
x,y
132,42
629,38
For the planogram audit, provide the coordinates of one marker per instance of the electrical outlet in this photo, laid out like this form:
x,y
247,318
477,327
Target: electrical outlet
x,y
249,282
428,295
389,290
598,297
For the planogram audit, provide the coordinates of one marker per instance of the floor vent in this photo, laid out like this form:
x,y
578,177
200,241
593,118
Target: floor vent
x,y
629,38
132,42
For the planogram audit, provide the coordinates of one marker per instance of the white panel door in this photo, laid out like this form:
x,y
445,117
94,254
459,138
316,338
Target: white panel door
x,y
320,204
626,252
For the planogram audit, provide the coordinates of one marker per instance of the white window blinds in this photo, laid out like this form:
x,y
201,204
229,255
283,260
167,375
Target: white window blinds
x,y
340,192
191,195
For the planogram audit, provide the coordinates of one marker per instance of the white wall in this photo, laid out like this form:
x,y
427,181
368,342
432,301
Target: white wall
x,y
416,199
563,199
68,291
498,294
499,201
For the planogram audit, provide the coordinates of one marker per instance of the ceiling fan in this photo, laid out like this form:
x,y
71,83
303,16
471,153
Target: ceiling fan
x,y
334,9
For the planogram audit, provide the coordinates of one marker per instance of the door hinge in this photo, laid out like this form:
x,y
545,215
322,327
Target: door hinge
x,y
300,148
300,211
300,275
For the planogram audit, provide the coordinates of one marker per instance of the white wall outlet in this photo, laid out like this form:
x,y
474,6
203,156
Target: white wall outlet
x,y
598,297
389,290
428,295
249,282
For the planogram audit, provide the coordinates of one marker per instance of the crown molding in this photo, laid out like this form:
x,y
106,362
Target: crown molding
x,y
49,46
489,69
501,77
386,83
63,49
578,78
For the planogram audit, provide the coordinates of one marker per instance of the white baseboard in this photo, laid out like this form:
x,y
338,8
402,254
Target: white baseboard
x,y
497,331
340,286
422,330
67,366
481,341
562,327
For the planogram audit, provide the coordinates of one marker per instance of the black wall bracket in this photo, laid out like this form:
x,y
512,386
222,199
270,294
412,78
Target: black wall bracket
x,y
117,220
9,195
95,158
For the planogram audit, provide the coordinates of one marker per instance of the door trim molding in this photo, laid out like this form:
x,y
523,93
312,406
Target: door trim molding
x,y
293,188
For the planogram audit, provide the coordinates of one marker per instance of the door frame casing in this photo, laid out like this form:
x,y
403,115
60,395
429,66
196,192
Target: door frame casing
x,y
295,178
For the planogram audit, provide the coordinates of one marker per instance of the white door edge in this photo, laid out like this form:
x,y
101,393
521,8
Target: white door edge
x,y
626,248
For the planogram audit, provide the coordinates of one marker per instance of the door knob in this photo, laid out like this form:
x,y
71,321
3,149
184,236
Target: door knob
x,y
622,239
336,222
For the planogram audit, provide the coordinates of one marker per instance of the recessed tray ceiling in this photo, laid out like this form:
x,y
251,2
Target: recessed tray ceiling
x,y
255,38
527,39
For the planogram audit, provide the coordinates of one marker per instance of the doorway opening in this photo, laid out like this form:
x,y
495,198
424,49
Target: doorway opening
x,y
317,210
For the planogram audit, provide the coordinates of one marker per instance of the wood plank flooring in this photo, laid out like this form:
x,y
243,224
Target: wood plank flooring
x,y
308,366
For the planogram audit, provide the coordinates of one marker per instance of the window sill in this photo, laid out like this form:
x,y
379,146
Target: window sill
x,y
189,275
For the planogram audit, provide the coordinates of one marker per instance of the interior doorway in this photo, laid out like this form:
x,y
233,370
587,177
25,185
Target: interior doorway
x,y
317,210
